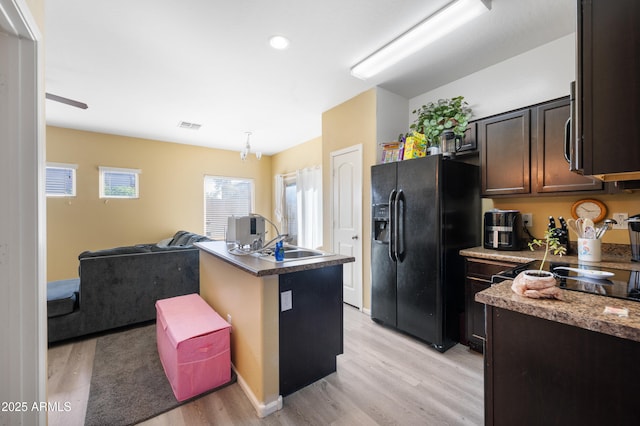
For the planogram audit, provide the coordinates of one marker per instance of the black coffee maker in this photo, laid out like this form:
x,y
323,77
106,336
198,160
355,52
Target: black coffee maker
x,y
503,230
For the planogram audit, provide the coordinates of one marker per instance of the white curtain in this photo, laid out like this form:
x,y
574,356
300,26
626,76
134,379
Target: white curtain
x,y
279,209
309,191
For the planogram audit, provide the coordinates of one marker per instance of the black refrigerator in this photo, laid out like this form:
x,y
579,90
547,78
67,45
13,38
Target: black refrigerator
x,y
424,211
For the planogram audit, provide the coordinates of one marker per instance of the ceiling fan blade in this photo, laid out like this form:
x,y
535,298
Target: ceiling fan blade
x,y
66,101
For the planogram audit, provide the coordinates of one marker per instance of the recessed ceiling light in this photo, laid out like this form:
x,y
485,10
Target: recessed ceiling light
x,y
279,42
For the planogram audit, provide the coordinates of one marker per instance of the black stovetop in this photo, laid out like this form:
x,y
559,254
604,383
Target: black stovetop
x,y
624,284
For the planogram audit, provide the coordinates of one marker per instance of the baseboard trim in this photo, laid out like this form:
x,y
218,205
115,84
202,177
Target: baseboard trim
x,y
366,311
262,409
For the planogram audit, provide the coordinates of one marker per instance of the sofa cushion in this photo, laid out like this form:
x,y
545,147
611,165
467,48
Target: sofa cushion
x,y
180,238
164,243
146,248
186,239
62,297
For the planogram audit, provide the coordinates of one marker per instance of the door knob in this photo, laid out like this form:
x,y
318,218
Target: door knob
x,y
355,237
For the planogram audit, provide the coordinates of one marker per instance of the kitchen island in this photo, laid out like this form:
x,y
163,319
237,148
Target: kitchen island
x,y
286,318
481,264
560,362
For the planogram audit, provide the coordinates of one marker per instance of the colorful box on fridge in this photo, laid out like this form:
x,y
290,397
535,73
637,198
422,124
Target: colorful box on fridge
x,y
415,147
193,344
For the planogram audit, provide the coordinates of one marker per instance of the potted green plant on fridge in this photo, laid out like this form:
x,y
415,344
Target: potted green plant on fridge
x,y
444,116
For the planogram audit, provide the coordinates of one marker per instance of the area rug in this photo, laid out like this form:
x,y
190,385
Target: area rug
x,y
128,384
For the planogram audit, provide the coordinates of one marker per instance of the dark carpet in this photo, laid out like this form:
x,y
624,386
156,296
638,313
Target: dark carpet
x,y
128,384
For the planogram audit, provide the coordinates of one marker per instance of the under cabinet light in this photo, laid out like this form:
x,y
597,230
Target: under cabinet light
x,y
445,20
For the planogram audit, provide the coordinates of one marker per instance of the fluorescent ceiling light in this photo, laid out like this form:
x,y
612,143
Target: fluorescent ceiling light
x,y
431,29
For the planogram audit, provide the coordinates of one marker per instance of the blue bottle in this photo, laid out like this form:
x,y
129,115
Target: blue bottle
x,y
279,251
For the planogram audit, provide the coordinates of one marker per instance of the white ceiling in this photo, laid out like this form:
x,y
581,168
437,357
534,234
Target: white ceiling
x,y
142,66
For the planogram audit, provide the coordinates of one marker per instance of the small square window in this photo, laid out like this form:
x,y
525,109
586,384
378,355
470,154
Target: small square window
x,y
61,180
119,183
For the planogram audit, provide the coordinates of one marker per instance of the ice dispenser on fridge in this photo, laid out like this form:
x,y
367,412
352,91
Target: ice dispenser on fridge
x,y
380,218
502,229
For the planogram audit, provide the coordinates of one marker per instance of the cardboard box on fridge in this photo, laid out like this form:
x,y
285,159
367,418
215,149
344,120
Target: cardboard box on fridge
x,y
415,146
193,344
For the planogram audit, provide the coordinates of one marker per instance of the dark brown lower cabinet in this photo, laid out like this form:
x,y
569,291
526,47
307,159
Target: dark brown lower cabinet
x,y
478,278
541,372
311,327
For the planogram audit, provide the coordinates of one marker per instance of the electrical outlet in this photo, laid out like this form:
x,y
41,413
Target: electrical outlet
x,y
527,219
229,321
621,218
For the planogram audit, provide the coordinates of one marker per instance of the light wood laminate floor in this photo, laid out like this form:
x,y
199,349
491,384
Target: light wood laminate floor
x,y
383,378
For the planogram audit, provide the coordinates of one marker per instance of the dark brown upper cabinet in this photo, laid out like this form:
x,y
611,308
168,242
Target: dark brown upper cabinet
x,y
469,140
505,141
608,89
549,132
522,153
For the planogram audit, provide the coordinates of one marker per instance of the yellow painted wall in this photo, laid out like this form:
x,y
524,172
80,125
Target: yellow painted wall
x,y
171,193
543,207
307,154
348,124
252,303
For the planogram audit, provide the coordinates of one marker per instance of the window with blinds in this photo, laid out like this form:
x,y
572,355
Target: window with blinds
x,y
119,183
224,197
60,180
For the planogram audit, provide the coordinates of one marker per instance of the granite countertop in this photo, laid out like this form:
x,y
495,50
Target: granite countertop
x,y
612,259
260,267
578,309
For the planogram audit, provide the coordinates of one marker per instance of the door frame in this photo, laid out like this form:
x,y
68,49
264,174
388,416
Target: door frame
x,y
359,149
23,217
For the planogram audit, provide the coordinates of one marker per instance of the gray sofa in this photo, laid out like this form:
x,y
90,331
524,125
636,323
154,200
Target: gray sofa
x,y
119,287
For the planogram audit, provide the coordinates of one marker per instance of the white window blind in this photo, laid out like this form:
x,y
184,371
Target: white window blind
x,y
224,197
119,183
60,180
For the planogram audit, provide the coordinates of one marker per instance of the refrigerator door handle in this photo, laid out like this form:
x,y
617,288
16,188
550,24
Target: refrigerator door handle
x,y
392,249
399,221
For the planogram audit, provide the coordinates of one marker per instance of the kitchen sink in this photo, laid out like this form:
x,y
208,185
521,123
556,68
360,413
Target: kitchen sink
x,y
295,253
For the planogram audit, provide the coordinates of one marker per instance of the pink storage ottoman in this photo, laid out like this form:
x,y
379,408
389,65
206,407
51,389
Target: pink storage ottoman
x,y
193,343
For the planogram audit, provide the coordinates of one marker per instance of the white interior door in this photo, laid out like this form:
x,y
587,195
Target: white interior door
x,y
23,327
346,212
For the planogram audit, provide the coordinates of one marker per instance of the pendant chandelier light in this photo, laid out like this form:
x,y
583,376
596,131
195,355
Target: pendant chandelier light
x,y
244,154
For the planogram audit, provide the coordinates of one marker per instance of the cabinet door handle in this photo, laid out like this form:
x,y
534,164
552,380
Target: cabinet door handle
x,y
567,140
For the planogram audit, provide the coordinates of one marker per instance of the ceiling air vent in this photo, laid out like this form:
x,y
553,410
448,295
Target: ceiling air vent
x,y
187,125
